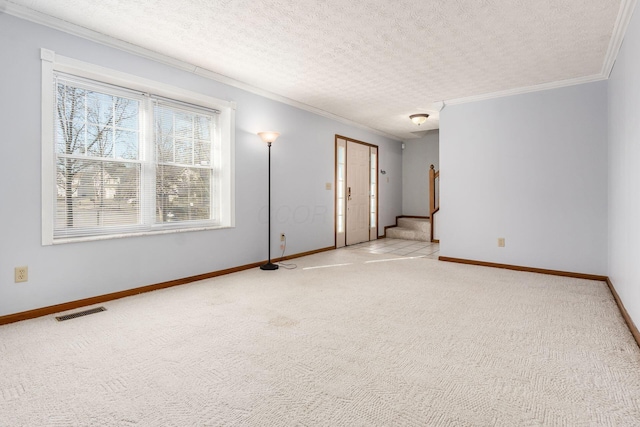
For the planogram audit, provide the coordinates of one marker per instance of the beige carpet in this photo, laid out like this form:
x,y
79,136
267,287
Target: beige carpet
x,y
412,342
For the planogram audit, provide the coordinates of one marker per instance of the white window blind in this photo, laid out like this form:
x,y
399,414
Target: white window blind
x,y
186,188
128,162
97,154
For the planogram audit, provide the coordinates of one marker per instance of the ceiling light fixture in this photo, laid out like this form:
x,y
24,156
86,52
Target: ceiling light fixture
x,y
419,118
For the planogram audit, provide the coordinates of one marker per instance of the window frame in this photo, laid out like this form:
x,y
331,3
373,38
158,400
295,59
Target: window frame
x,y
53,63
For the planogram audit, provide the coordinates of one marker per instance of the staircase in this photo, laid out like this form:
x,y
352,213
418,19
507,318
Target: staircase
x,y
410,229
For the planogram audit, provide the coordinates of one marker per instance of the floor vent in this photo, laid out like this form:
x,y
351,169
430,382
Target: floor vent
x,y
80,314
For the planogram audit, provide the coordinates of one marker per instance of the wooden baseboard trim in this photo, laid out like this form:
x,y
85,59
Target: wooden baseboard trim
x,y
623,311
528,269
301,254
385,230
45,311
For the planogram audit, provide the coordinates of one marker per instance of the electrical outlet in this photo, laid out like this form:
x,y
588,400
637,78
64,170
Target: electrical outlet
x,y
21,274
501,242
282,237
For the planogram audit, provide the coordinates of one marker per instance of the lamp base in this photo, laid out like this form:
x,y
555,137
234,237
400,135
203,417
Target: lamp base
x,y
268,266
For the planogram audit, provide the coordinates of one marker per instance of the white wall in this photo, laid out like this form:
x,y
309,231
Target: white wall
x,y
302,162
531,168
417,155
624,171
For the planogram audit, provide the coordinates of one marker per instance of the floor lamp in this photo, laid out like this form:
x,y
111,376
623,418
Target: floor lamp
x,y
269,137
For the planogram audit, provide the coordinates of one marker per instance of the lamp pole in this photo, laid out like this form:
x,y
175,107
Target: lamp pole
x,y
269,137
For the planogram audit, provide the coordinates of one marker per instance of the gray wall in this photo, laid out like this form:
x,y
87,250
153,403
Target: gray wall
x,y
302,162
624,171
417,155
530,168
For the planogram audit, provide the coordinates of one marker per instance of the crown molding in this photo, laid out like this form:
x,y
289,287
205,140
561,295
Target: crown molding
x,y
85,33
527,89
76,30
620,27
619,30
212,75
617,37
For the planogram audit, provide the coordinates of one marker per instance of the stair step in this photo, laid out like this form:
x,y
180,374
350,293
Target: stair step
x,y
408,234
419,224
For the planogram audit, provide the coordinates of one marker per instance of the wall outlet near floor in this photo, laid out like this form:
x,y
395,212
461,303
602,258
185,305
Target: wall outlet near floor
x,y
282,237
21,274
501,242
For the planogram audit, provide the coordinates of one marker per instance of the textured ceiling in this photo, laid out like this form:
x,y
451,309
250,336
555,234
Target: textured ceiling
x,y
373,62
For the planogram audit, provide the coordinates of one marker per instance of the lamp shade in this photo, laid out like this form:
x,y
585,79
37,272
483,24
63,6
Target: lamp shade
x,y
269,136
419,118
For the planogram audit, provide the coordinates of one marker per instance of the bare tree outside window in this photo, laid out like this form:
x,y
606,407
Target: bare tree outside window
x,y
128,161
96,135
183,175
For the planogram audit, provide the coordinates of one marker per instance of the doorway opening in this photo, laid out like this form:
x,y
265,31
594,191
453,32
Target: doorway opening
x,y
356,191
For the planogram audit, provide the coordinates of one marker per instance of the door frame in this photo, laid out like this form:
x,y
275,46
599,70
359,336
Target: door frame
x,y
336,181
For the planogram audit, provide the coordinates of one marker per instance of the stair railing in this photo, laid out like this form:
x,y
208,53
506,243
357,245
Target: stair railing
x,y
434,196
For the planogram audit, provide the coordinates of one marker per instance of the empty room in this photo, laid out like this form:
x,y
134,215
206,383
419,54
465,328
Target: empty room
x,y
328,213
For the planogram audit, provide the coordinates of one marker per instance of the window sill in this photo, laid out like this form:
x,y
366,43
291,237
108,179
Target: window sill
x,y
65,240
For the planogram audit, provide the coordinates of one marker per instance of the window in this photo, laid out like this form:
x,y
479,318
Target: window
x,y
185,145
340,185
97,156
373,182
126,156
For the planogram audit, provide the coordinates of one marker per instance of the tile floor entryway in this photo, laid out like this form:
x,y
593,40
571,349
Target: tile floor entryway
x,y
399,247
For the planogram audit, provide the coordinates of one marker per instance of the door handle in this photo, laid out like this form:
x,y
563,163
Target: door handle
x,y
348,193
